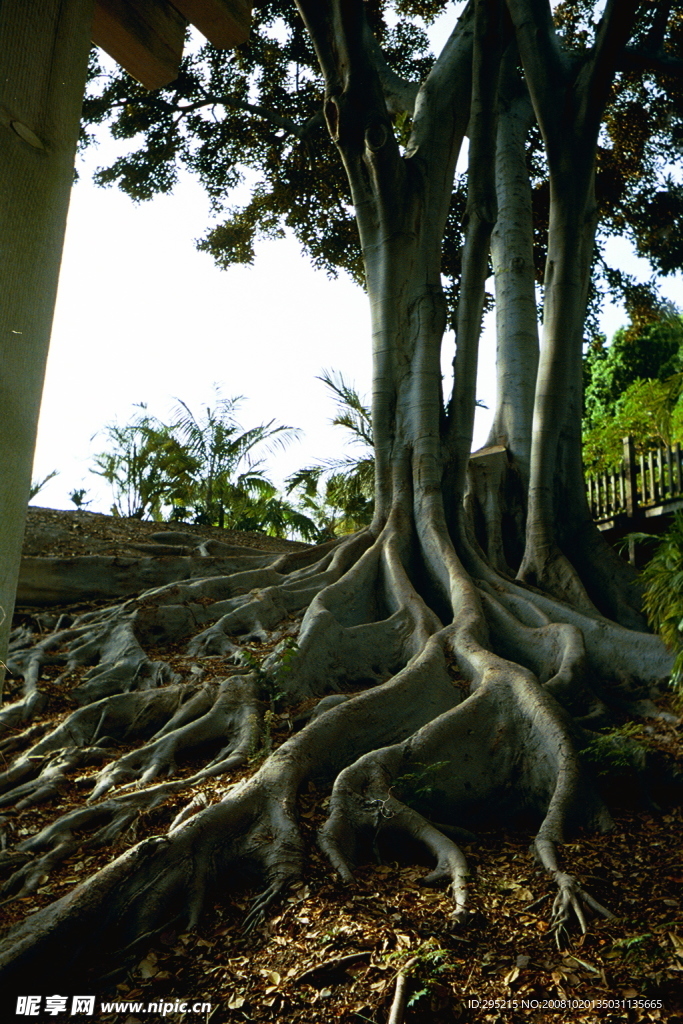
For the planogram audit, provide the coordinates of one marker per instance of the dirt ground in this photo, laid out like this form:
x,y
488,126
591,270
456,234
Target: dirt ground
x,y
62,533
334,953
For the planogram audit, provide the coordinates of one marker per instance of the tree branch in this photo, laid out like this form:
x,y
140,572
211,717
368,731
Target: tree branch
x,y
298,131
569,98
486,60
440,120
443,100
595,79
251,108
399,93
480,218
317,17
545,66
355,108
636,58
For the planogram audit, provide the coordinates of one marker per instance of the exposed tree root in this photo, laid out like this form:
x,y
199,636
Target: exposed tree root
x,y
248,602
406,741
232,713
54,581
124,717
460,649
571,900
398,1003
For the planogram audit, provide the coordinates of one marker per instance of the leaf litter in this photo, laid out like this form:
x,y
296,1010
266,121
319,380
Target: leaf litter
x,y
332,953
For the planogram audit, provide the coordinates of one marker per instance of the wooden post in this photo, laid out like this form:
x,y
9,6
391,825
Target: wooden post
x,y
631,489
631,482
44,49
622,490
661,494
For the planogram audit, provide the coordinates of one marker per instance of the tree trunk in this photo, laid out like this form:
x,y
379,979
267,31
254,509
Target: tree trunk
x,y
424,655
556,472
513,268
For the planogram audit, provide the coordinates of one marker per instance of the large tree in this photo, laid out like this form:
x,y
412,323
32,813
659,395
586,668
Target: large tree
x,y
479,625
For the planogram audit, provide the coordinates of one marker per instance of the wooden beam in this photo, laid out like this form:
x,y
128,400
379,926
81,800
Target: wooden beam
x,y
146,38
225,23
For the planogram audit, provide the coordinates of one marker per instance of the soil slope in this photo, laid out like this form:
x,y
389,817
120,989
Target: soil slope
x,y
332,952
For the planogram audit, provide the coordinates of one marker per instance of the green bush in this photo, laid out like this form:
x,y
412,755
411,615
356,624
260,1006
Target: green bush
x,y
663,600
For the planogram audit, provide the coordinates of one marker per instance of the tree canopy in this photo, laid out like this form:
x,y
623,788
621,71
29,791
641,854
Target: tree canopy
x,y
633,388
253,122
479,629
650,351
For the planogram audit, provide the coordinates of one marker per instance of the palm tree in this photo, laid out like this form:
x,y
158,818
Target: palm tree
x,y
347,501
136,464
215,471
270,513
37,485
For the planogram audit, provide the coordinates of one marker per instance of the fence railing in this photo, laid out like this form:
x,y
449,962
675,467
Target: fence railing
x,y
641,482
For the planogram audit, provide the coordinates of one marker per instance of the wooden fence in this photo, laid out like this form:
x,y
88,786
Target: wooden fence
x,y
641,483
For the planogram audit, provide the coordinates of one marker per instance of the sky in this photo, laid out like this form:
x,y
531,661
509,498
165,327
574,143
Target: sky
x,y
142,316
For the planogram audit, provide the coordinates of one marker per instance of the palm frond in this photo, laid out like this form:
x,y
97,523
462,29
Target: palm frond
x,y
352,413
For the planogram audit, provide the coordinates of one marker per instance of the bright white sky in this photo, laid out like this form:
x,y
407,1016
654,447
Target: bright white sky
x,y
143,317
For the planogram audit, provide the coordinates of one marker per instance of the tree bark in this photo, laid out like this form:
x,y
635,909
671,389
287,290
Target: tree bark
x,y
513,268
422,651
569,99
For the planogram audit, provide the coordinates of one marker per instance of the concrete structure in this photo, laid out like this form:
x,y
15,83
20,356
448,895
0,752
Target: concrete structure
x,y
44,46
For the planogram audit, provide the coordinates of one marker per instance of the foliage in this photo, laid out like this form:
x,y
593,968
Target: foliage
x,y
637,948
271,683
252,119
37,485
425,965
267,511
137,463
215,475
77,496
203,467
648,351
339,493
431,963
649,411
417,786
663,601
633,388
615,749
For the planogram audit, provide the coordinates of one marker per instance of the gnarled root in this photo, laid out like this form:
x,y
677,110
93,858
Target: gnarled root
x,y
504,752
233,713
379,811
571,900
255,825
123,718
422,724
251,600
